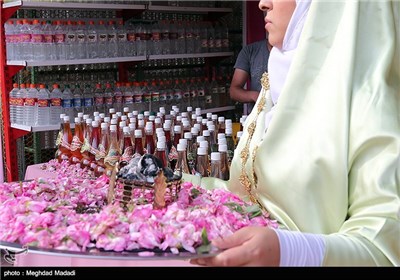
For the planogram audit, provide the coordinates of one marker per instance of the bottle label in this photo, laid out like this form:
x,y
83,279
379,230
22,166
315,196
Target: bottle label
x,y
17,101
88,102
186,94
201,92
55,102
218,43
208,99
85,146
204,43
30,101
102,152
177,95
59,38
163,96
25,38
193,93
48,38
76,143
147,97
59,138
67,103
103,37
92,38
225,44
109,100
81,38
156,36
77,102
99,100
128,99
155,96
112,157
43,103
131,37
71,38
173,154
127,155
122,37
65,144
138,98
118,99
112,37
170,96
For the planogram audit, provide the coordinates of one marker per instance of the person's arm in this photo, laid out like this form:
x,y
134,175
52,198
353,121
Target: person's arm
x,y
237,91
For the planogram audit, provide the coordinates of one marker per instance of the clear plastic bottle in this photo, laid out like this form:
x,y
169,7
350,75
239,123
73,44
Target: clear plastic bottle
x,y
92,41
88,97
43,106
78,99
55,104
30,106
13,102
99,99
67,101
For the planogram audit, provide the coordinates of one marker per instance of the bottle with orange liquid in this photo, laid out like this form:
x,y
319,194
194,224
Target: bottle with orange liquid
x,y
64,141
77,142
113,152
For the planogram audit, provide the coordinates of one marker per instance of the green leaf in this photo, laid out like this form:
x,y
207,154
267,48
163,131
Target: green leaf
x,y
253,211
235,207
194,193
204,237
203,249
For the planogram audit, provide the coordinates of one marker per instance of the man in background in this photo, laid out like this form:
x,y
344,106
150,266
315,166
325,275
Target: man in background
x,y
251,63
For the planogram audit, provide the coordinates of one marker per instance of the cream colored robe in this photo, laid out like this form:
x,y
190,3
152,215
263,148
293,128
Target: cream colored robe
x,y
330,160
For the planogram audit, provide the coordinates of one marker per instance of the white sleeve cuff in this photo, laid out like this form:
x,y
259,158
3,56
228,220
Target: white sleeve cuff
x,y
300,249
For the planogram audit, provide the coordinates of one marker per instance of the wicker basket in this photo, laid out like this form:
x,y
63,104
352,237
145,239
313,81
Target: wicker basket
x,y
133,192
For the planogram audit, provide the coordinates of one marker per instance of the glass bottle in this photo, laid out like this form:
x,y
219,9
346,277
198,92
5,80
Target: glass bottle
x,y
65,141
202,162
113,152
222,149
127,147
216,165
139,151
181,164
77,142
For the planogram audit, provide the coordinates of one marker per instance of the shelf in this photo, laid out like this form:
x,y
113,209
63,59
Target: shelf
x,y
193,10
75,61
218,109
63,5
114,59
38,128
189,55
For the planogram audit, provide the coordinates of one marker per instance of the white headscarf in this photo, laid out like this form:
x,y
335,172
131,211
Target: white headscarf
x,y
280,59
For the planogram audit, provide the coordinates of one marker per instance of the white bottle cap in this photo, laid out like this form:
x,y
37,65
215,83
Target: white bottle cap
x,y
200,138
113,121
206,133
177,128
220,135
214,117
239,134
161,145
88,121
102,115
111,110
203,144
159,129
62,116
135,113
113,127
194,130
132,126
126,109
77,120
95,124
161,138
221,119
215,156
189,109
167,126
104,125
183,142
107,119
181,148
138,133
198,111
201,151
125,129
221,141
211,127
222,148
95,114
187,135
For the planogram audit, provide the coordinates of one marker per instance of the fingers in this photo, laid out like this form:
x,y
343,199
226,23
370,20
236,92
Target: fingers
x,y
236,256
236,239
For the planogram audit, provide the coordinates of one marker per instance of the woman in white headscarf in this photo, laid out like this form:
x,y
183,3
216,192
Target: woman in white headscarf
x,y
325,160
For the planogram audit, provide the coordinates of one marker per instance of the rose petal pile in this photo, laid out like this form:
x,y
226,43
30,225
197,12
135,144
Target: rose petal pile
x,y
53,213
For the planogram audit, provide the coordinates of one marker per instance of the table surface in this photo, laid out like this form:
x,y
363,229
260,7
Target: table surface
x,y
37,258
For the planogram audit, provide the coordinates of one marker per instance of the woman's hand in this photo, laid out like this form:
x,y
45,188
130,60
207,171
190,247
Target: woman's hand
x,y
249,246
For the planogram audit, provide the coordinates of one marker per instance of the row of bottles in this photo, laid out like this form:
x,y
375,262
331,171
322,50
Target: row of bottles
x,y
36,40
195,144
39,106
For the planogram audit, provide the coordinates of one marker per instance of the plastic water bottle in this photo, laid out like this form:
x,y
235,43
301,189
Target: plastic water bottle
x,y
92,41
20,101
68,102
55,104
99,99
88,102
43,106
30,106
13,103
9,29
78,96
